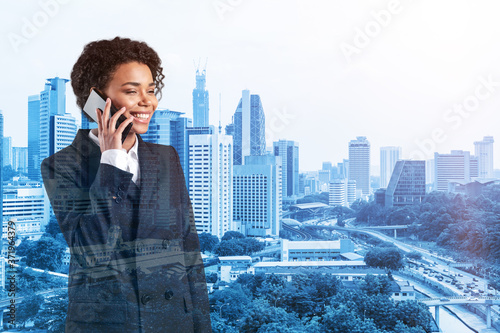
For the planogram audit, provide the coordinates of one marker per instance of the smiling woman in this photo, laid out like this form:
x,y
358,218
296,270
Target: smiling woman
x,y
123,208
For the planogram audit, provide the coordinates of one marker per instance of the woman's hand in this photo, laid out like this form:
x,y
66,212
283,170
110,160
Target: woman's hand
x,y
109,136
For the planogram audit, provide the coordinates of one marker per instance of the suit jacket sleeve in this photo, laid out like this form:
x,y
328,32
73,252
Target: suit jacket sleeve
x,y
85,210
193,260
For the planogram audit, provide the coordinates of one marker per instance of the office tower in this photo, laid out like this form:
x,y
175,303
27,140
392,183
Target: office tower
x,y
34,137
210,179
407,184
289,152
167,127
302,178
20,159
62,132
1,169
359,163
257,201
338,192
43,138
388,158
248,128
310,185
484,152
200,100
351,192
430,172
7,151
456,166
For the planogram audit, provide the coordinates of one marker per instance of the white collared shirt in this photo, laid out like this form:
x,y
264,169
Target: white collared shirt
x,y
121,159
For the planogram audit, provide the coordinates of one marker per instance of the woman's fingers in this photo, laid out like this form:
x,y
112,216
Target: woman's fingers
x,y
123,125
114,119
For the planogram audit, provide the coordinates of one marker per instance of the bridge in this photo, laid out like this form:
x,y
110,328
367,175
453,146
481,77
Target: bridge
x,y
460,300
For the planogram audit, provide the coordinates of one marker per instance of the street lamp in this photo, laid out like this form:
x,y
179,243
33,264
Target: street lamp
x,y
220,309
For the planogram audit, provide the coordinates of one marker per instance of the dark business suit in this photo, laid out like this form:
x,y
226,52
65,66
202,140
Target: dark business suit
x,y
135,260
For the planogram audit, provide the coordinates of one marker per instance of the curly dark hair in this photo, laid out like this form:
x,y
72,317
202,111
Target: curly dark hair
x,y
99,60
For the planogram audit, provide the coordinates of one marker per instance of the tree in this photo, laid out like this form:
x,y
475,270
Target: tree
x,y
211,277
28,309
208,242
261,317
376,285
389,258
52,317
52,228
47,253
343,320
232,235
414,255
414,314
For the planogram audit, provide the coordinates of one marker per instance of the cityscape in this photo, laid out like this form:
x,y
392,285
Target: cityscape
x,y
340,161
241,186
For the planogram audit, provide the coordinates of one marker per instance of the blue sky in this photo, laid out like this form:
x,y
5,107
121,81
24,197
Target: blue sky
x,y
417,74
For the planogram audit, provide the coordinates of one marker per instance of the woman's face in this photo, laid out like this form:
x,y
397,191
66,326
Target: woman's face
x,y
132,87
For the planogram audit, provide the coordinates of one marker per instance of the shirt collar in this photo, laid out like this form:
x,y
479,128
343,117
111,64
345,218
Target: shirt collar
x,y
132,152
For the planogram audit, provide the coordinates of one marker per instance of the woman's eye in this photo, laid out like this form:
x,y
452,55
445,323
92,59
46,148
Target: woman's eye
x,y
130,92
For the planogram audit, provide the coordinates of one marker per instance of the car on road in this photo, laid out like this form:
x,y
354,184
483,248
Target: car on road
x,y
475,280
444,299
472,299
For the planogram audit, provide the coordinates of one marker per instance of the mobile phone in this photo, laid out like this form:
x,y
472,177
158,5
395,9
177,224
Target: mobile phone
x,y
97,100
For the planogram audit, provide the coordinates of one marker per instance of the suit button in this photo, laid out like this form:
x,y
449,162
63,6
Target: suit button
x,y
169,294
118,200
165,243
145,299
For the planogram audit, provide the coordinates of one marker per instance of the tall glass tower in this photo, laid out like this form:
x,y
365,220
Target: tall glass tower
x,y
248,128
200,100
42,131
1,164
289,152
484,152
359,163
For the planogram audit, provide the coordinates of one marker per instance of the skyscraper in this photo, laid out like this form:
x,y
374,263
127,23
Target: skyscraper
x,y
7,151
338,192
248,128
46,134
210,179
289,152
359,163
407,184
484,153
388,158
257,198
20,159
200,100
1,164
167,127
456,166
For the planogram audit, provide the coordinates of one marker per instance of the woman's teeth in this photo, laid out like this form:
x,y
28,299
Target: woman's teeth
x,y
141,115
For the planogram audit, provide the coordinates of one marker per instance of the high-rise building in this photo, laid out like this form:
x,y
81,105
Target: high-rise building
x,y
484,152
43,135
167,127
25,202
351,191
338,192
456,166
7,151
210,179
248,128
257,201
200,100
20,159
62,132
388,158
359,163
289,152
1,169
407,184
34,160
